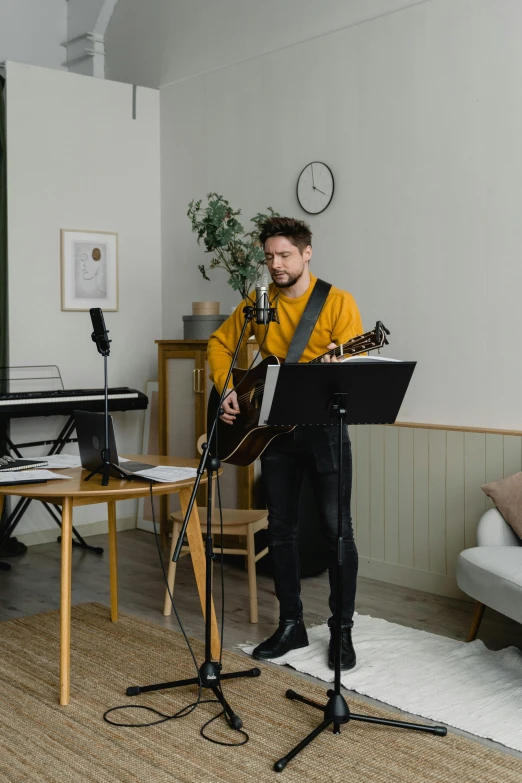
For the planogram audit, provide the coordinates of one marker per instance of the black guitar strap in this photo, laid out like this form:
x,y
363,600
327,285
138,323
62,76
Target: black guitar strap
x,y
308,320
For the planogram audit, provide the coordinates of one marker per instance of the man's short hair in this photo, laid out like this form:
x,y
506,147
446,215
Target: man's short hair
x,y
297,231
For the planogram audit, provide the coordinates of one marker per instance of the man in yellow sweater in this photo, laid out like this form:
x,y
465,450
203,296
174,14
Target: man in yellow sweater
x,y
288,250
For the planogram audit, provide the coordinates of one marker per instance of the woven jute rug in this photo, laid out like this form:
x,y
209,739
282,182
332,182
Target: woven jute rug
x,y
41,741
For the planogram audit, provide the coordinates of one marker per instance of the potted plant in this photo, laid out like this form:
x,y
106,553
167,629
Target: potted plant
x,y
240,254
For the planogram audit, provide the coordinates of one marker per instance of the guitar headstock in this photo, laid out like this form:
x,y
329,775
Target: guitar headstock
x,y
369,341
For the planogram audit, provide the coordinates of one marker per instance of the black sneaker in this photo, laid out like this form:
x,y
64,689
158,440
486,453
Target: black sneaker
x,y
290,635
348,659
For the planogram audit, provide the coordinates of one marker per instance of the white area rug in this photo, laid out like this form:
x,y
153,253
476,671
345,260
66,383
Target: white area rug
x,y
454,683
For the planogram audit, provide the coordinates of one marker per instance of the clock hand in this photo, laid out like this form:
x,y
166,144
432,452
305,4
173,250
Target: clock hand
x,y
320,191
313,183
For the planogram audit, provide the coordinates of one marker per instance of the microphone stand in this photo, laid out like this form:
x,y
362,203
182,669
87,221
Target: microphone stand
x,y
210,674
106,467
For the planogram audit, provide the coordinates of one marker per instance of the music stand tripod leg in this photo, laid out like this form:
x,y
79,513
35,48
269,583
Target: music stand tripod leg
x,y
336,710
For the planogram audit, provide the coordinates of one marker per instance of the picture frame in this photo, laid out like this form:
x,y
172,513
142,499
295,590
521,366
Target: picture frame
x,y
89,269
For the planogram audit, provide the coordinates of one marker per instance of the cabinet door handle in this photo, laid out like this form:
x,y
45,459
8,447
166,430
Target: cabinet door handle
x,y
194,376
200,390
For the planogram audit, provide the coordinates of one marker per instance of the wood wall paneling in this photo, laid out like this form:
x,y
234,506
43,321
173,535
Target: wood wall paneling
x,y
417,497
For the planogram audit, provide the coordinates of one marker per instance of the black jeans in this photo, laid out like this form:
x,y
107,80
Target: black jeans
x,y
283,464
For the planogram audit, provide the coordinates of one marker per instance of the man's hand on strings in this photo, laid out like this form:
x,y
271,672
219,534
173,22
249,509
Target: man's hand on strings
x,y
231,408
328,359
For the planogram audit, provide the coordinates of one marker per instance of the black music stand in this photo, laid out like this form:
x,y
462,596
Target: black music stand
x,y
358,391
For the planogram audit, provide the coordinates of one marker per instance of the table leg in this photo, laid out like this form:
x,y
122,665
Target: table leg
x,y
65,601
164,513
113,559
197,553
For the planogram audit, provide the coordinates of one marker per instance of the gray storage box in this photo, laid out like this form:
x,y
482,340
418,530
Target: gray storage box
x,y
200,327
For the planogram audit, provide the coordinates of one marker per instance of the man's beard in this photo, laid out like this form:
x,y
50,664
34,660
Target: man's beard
x,y
290,282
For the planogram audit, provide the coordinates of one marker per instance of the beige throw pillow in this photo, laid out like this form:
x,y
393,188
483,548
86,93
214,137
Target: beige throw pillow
x,y
506,494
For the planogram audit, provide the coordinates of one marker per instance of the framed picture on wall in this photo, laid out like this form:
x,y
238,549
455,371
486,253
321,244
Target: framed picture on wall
x,y
89,270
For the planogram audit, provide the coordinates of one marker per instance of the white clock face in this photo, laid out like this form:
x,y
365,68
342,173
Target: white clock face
x,y
315,187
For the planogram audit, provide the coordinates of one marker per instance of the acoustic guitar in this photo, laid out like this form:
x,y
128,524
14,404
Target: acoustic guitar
x,y
245,440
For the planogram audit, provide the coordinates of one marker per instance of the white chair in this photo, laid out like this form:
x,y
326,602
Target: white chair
x,y
243,523
491,572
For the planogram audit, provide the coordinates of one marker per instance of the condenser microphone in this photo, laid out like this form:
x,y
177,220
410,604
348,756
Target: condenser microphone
x,y
265,314
262,301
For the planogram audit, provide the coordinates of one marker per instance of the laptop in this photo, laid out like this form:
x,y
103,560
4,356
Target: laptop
x,y
90,428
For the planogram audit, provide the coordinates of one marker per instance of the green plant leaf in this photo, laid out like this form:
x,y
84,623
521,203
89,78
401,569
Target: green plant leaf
x,y
222,234
203,272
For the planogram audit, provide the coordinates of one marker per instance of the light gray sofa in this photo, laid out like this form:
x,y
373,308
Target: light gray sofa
x,y
491,572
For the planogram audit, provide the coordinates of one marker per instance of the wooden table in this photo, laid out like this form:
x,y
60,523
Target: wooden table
x,y
69,493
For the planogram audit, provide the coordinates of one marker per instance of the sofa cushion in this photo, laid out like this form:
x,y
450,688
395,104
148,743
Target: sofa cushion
x,y
506,494
493,576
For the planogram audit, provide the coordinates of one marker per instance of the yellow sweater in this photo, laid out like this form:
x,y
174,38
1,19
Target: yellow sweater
x,y
338,322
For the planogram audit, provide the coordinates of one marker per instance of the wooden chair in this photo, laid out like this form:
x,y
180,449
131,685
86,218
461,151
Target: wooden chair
x,y
243,523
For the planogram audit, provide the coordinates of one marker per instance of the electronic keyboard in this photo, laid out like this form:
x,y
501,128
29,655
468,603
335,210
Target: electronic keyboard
x,y
65,401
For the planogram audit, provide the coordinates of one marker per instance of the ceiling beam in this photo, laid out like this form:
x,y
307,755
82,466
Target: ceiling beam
x,y
86,27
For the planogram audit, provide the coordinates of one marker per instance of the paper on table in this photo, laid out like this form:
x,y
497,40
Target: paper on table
x,y
30,475
63,461
167,473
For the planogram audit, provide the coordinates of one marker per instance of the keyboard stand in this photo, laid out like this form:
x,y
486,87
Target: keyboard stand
x,y
8,527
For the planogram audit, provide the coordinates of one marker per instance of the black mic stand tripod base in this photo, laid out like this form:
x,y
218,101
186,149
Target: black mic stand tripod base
x,y
336,710
209,673
107,469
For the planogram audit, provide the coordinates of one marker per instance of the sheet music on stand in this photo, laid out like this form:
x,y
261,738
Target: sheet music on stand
x,y
280,376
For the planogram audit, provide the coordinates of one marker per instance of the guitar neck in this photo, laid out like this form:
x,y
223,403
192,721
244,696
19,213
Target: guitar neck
x,y
364,342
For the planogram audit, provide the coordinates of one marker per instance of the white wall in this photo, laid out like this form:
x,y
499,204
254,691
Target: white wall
x,y
77,159
31,31
160,41
419,114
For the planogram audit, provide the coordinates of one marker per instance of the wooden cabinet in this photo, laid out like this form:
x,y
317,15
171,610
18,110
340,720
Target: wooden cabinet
x,y
183,389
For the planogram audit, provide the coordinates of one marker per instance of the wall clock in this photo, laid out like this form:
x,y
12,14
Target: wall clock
x,y
315,187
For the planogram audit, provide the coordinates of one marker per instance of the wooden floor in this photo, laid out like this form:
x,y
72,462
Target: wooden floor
x,y
32,586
